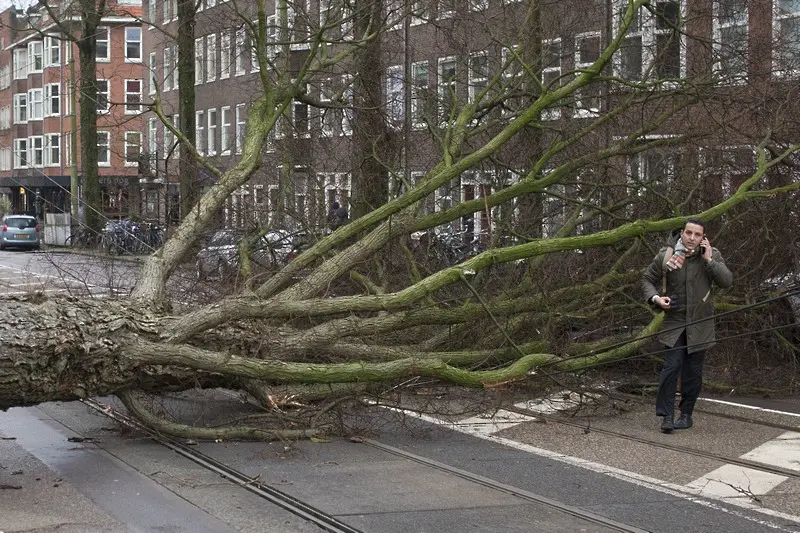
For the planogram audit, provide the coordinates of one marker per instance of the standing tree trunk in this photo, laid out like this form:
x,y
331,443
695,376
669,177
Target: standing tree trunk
x,y
87,49
370,176
187,166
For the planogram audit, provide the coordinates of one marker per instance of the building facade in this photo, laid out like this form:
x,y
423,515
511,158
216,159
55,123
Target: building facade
x,y
38,83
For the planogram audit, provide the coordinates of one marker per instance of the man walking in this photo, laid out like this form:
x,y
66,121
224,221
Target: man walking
x,y
684,272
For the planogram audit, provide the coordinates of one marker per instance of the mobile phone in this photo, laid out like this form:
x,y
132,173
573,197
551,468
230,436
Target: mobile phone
x,y
703,248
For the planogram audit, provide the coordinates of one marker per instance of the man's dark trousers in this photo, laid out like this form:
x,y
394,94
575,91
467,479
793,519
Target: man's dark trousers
x,y
677,360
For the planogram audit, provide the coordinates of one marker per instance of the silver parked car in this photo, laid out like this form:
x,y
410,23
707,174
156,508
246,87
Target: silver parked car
x,y
19,231
220,255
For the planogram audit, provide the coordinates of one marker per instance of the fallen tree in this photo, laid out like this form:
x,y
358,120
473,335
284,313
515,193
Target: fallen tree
x,y
361,305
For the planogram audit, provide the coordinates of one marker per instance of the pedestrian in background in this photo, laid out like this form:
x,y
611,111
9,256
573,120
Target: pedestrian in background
x,y
685,272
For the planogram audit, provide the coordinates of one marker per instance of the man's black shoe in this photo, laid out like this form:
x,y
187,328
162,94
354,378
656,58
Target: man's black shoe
x,y
667,425
683,422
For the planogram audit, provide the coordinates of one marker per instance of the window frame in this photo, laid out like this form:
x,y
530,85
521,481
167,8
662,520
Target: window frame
x,y
137,107
211,131
49,99
128,144
107,39
777,18
107,93
107,145
128,42
200,131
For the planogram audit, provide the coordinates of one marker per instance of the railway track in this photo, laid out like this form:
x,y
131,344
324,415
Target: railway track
x,y
330,523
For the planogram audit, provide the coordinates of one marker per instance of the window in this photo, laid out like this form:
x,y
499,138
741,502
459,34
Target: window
x,y
5,117
133,97
52,154
730,39
346,127
52,96
199,61
239,52
199,131
103,49
327,116
52,51
152,138
20,153
20,64
20,108
551,72
224,55
169,138
240,127
420,11
225,131
133,44
6,158
211,57
336,17
103,96
153,79
176,123
653,44
5,78
212,132
35,57
272,36
447,8
255,66
447,87
167,11
36,151
587,51
133,148
478,5
420,93
300,117
395,101
151,13
786,29
174,68
103,148
478,74
168,68
35,104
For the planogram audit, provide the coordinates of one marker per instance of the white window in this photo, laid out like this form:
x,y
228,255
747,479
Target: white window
x,y
104,148
167,11
20,153
167,69
478,5
346,127
478,74
5,78
653,44
239,52
35,57
420,11
300,118
151,13
20,63
5,117
36,151
35,104
446,8
20,108
730,39
395,96
420,93
174,68
255,66
447,87
327,115
152,138
212,131
176,123
52,96
199,61
133,44
153,77
52,51
786,34
103,96
199,131
52,154
225,55
551,73
587,51
211,3
6,158
240,128
225,131
271,35
169,139
133,148
133,97
103,48
211,57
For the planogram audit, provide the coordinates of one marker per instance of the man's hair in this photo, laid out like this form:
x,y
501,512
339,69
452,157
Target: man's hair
x,y
695,220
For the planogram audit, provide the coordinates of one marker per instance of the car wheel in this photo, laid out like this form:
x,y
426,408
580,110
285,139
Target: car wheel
x,y
2,246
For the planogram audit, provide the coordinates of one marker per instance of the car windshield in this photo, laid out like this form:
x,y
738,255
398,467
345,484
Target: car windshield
x,y
223,238
20,222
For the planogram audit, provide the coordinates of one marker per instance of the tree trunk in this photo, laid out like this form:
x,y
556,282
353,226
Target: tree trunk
x,y
187,166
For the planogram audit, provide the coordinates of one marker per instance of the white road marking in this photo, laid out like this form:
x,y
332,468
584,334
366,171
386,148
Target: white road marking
x,y
492,423
692,494
783,451
736,482
753,407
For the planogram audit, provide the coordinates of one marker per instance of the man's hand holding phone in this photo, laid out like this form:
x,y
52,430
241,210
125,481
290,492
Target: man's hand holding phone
x,y
705,249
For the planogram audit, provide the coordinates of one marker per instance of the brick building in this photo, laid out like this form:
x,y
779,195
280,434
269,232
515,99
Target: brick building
x,y
37,103
735,62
